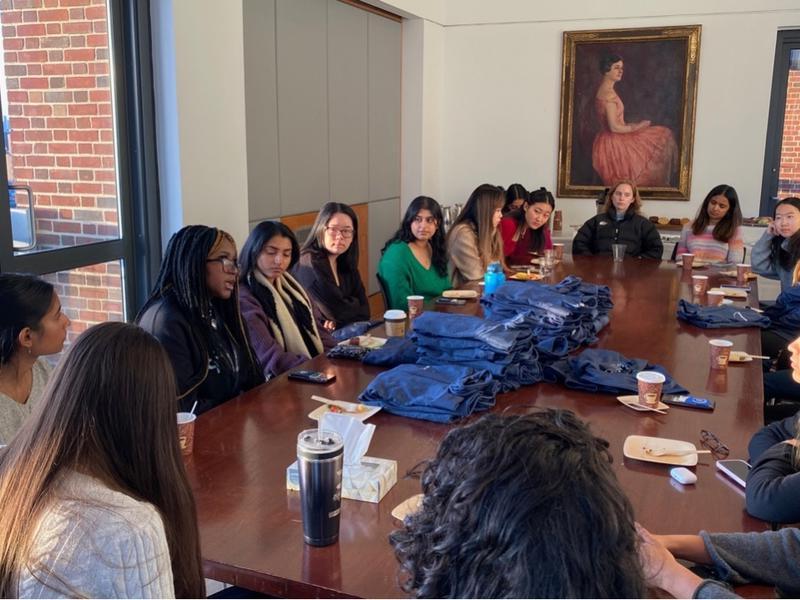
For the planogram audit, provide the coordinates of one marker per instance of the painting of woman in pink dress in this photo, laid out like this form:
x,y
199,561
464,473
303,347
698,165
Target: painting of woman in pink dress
x,y
639,151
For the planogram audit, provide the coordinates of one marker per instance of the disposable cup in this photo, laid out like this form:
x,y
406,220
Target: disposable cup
x,y
558,250
186,432
395,321
650,384
687,259
618,251
742,271
715,297
720,353
699,284
415,306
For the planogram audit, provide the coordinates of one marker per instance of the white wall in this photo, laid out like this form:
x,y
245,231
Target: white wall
x,y
501,85
199,79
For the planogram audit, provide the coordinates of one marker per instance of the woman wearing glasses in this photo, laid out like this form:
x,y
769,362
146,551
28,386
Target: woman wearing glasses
x,y
328,267
285,327
773,487
414,260
193,310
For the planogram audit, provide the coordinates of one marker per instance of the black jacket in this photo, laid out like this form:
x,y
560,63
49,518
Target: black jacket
x,y
199,376
344,303
637,233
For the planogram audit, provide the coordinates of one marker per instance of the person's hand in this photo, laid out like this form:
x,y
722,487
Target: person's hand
x,y
661,570
329,325
791,442
771,228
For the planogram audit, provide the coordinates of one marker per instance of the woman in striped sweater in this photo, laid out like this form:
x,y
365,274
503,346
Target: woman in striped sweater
x,y
716,233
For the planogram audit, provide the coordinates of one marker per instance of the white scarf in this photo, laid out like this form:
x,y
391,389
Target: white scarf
x,y
286,331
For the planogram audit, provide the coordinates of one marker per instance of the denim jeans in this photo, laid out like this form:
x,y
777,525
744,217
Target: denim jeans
x,y
718,317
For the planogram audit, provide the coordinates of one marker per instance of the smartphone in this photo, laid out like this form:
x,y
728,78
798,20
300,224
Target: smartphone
x,y
451,301
312,376
735,469
689,402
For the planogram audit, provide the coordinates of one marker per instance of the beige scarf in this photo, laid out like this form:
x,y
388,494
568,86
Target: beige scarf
x,y
286,332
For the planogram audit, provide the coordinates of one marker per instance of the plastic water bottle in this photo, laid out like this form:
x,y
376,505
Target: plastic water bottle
x,y
493,278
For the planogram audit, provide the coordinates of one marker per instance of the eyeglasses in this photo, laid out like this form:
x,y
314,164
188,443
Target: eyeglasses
x,y
346,233
713,443
228,265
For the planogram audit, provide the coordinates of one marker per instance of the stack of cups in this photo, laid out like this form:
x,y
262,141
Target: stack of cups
x,y
650,384
720,353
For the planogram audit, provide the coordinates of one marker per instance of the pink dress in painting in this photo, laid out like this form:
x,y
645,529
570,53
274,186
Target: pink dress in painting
x,y
648,157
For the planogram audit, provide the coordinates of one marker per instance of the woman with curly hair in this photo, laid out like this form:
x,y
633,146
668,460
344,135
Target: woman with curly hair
x,y
414,260
521,507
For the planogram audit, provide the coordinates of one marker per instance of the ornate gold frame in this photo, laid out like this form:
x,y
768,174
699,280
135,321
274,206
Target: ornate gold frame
x,y
572,39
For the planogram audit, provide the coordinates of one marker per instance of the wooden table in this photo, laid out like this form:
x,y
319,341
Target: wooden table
x,y
250,527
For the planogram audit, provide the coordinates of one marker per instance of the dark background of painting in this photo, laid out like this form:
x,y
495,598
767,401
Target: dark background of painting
x,y
652,87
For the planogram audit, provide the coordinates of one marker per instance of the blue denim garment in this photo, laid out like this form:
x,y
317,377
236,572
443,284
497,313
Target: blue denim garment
x,y
498,335
354,329
785,313
442,393
717,317
396,351
596,370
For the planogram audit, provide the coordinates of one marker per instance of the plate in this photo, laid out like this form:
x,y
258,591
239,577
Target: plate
x,y
361,415
407,507
365,341
635,448
633,402
731,292
527,276
697,264
739,356
733,274
465,294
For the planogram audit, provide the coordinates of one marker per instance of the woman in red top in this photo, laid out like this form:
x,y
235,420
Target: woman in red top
x,y
526,229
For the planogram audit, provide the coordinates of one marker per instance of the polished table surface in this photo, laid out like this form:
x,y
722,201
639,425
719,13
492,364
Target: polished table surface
x,y
251,532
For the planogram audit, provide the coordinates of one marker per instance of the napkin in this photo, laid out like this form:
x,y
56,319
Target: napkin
x,y
355,434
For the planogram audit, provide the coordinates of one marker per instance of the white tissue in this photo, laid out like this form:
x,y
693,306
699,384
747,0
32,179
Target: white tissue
x,y
355,434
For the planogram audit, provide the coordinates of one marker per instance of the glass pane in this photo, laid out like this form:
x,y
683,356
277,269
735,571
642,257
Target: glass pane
x,y
789,174
89,295
59,124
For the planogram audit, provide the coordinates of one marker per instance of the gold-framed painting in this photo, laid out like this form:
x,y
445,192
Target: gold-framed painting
x,y
628,105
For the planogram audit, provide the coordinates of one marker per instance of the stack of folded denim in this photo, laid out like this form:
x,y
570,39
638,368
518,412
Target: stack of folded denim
x,y
396,351
606,371
717,317
441,393
504,348
562,317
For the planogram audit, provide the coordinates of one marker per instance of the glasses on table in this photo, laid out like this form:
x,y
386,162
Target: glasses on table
x,y
228,265
345,232
713,443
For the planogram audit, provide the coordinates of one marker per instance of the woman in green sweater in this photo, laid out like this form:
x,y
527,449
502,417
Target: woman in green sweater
x,y
414,260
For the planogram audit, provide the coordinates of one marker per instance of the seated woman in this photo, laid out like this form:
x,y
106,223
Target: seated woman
x,y
414,260
516,196
285,327
770,557
474,241
328,267
31,326
619,223
94,497
193,310
778,250
715,235
526,230
491,523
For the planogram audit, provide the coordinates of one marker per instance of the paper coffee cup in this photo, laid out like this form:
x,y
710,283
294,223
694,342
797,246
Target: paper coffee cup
x,y
699,284
650,384
558,251
415,306
742,271
687,260
720,353
395,321
715,297
186,432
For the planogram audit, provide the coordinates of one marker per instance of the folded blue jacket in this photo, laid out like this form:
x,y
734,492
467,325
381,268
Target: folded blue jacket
x,y
596,370
717,317
442,393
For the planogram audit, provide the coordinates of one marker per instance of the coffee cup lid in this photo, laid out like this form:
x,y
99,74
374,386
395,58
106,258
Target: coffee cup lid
x,y
651,377
394,314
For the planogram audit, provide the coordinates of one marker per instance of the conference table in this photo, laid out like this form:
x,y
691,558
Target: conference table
x,y
250,525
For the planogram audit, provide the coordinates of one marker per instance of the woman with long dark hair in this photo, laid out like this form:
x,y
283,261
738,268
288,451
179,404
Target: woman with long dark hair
x,y
526,229
715,235
328,267
94,498
516,196
193,310
32,326
492,520
285,327
474,239
776,253
414,260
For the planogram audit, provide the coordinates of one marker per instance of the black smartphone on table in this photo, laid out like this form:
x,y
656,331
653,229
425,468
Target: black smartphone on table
x,y
312,376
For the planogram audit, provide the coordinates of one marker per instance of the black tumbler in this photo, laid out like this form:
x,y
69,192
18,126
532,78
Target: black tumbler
x,y
319,460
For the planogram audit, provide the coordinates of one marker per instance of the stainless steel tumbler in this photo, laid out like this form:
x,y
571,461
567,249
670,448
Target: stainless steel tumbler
x,y
320,460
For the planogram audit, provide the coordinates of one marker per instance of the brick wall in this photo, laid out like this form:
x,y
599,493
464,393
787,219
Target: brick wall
x,y
56,55
789,175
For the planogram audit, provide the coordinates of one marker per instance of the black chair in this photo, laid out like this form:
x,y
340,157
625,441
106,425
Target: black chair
x,y
383,287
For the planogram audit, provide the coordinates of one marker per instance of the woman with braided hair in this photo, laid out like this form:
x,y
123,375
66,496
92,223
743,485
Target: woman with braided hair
x,y
284,324
193,311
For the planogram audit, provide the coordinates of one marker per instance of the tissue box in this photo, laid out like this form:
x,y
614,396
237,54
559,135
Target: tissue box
x,y
368,481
